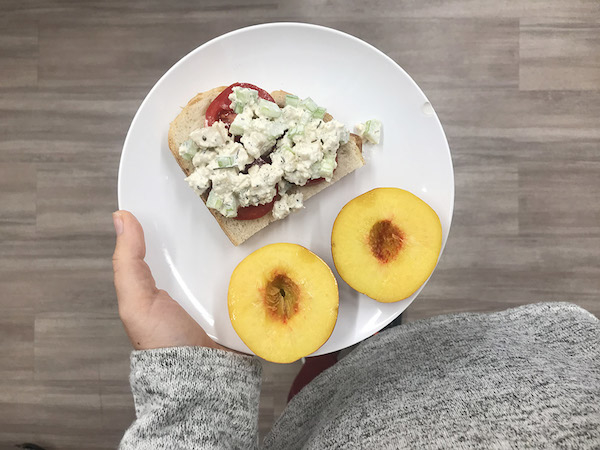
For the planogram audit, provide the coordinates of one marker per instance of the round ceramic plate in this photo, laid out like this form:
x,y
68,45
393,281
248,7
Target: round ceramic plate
x,y
189,254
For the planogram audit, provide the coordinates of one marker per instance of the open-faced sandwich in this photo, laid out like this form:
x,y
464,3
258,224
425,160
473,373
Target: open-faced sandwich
x,y
254,157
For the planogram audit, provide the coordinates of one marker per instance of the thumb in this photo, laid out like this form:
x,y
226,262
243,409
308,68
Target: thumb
x,y
134,283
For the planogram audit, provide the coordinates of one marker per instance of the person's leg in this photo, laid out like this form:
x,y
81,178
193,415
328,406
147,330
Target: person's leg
x,y
314,365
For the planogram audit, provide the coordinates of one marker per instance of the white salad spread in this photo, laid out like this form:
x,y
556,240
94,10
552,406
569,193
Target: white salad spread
x,y
369,131
278,148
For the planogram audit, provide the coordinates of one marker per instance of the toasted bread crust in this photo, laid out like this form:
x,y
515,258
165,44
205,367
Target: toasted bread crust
x,y
192,117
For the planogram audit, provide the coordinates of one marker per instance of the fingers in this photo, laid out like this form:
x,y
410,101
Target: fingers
x,y
133,280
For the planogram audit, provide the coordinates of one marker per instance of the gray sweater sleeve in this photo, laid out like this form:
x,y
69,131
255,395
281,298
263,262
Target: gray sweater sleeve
x,y
193,397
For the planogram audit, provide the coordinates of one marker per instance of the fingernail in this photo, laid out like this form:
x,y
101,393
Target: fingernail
x,y
118,221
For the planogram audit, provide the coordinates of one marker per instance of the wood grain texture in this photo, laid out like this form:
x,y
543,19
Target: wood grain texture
x,y
440,52
18,199
516,85
559,55
18,53
78,346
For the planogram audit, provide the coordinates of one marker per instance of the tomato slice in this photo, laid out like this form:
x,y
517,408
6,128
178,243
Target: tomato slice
x,y
255,212
220,108
314,181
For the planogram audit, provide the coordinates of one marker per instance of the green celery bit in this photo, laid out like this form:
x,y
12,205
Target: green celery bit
x,y
230,209
298,129
190,150
225,161
327,167
372,130
292,100
236,128
268,109
309,104
214,201
319,113
275,129
245,95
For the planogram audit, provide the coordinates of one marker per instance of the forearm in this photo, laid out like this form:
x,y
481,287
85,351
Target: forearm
x,y
193,397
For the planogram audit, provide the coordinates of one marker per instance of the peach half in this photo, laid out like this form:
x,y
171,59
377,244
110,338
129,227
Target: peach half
x,y
386,243
283,302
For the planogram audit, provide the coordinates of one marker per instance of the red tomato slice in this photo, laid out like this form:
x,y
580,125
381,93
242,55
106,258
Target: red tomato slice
x,y
220,108
314,181
254,212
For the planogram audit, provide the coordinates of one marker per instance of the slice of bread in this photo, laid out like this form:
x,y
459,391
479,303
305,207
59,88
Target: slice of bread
x,y
192,117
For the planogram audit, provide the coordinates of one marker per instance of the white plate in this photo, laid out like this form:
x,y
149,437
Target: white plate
x,y
188,253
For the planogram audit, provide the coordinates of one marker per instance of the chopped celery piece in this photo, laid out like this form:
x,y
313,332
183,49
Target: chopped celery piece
x,y
226,207
226,161
372,131
236,129
310,104
292,100
245,95
275,129
319,113
214,201
230,207
306,117
238,126
268,109
298,129
326,167
188,149
241,98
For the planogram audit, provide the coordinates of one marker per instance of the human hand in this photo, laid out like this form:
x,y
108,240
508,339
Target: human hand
x,y
151,317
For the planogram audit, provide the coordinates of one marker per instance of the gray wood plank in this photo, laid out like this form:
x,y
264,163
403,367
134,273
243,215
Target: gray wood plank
x,y
16,351
18,412
77,346
445,53
521,119
66,127
18,200
18,54
559,200
304,11
559,55
74,200
491,273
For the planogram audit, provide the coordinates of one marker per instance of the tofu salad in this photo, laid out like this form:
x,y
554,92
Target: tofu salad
x,y
251,154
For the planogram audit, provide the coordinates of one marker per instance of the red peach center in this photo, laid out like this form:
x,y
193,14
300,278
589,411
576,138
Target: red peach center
x,y
385,240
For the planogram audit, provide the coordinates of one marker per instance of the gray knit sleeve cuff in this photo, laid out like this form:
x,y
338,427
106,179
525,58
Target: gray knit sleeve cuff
x,y
177,365
185,395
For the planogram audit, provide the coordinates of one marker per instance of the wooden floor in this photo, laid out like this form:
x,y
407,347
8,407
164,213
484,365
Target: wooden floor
x,y
516,85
